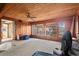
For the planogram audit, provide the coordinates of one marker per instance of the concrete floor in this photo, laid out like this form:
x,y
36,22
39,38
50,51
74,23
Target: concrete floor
x,y
28,47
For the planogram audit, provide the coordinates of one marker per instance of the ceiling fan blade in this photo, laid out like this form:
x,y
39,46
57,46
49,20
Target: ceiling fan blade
x,y
28,14
33,17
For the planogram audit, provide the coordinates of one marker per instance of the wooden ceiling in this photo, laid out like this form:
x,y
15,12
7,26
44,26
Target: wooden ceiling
x,y
40,11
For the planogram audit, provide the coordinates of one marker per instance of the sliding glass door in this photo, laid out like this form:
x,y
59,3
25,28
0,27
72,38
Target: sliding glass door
x,y
5,31
8,30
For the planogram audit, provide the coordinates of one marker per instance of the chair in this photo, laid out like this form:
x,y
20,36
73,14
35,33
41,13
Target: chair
x,y
66,45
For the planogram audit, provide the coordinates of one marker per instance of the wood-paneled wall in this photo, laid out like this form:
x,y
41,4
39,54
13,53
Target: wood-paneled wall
x,y
23,28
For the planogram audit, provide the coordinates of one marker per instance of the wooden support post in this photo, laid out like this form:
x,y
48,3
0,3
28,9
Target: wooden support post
x,y
76,22
73,27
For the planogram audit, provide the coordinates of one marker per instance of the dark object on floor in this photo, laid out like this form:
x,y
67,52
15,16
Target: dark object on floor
x,y
2,51
24,37
40,53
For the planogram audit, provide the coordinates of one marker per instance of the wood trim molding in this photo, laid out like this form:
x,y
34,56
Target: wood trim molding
x,y
10,18
50,20
0,31
14,19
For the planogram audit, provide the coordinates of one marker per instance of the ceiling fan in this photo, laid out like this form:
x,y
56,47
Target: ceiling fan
x,y
28,14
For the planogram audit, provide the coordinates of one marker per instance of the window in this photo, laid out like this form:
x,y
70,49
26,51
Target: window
x,y
61,28
51,29
48,29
